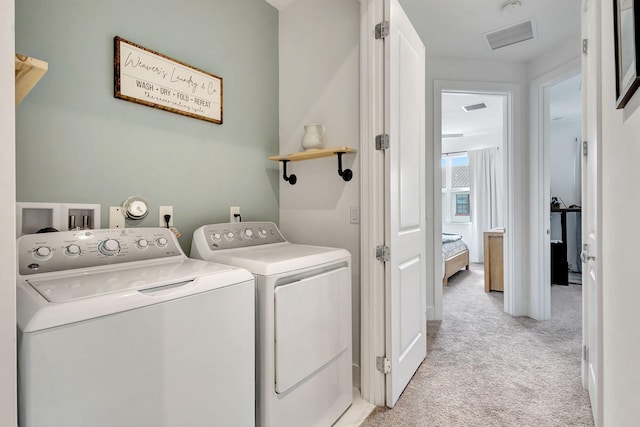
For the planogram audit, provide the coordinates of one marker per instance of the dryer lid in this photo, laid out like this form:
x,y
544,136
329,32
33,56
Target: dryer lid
x,y
277,258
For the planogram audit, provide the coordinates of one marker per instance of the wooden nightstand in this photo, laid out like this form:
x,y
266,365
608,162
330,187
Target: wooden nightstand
x,y
493,260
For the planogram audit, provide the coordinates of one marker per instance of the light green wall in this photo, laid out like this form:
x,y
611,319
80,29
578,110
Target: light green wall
x,y
76,143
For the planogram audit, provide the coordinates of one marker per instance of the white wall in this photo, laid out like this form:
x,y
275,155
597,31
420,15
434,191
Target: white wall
x,y
620,251
472,142
319,83
7,218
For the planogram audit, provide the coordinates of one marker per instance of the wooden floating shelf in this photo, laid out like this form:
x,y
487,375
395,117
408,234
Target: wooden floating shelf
x,y
346,174
313,154
28,72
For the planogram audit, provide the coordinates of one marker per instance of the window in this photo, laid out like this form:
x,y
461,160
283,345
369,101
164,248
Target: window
x,y
456,206
462,205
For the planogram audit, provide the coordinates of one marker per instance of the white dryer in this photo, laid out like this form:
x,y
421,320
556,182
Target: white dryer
x,y
118,327
304,368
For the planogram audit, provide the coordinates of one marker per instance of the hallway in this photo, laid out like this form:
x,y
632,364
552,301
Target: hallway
x,y
485,368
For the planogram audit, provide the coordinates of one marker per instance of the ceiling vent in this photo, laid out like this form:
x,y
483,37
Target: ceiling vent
x,y
474,107
511,35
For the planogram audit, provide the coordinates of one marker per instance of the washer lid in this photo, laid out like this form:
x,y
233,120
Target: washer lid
x,y
80,285
267,260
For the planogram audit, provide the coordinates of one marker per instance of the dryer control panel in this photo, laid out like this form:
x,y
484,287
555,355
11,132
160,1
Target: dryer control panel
x,y
233,235
66,250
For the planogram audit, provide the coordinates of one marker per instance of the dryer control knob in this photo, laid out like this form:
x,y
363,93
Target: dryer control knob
x,y
142,244
228,236
247,233
42,252
216,237
262,233
109,247
73,250
162,242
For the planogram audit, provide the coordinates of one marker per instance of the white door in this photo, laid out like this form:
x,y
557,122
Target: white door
x,y
592,291
406,323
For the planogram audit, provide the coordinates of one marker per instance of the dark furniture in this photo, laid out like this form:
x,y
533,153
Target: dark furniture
x,y
559,264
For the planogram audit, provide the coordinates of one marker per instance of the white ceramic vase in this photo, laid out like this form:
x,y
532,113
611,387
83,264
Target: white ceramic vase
x,y
312,138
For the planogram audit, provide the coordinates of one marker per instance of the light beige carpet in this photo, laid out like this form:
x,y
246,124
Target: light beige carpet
x,y
485,368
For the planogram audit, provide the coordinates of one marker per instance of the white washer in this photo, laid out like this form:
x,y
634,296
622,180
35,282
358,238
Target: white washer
x,y
304,374
117,327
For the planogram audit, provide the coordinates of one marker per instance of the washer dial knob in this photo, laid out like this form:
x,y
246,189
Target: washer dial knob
x,y
109,247
262,233
142,244
72,249
248,233
42,252
216,237
162,242
228,236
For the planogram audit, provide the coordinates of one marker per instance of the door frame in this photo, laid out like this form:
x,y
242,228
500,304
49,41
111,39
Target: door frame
x,y
372,203
539,190
512,291
8,374
592,128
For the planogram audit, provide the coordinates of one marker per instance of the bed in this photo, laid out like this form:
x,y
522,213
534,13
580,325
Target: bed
x,y
455,255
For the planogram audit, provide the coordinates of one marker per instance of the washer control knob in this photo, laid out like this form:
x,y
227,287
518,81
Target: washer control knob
x,y
42,252
109,247
142,244
228,236
162,242
73,250
248,233
262,233
216,237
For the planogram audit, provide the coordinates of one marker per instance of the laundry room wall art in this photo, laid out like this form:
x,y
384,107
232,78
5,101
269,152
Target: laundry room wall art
x,y
150,78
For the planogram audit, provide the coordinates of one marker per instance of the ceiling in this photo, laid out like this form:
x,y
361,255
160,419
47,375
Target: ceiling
x,y
455,28
455,120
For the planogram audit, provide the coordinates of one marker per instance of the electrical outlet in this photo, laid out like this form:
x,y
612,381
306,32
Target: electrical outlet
x,y
116,217
233,211
165,210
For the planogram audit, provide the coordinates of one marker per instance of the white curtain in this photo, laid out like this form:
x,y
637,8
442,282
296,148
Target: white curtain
x,y
486,196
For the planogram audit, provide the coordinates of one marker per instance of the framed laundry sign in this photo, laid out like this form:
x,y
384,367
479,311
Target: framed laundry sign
x,y
150,78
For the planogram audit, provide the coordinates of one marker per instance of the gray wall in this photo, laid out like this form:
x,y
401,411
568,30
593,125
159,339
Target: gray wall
x,y
76,143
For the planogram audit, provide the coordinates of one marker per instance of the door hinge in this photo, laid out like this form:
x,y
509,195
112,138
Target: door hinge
x,y
383,253
383,365
585,353
585,148
382,141
382,30
585,46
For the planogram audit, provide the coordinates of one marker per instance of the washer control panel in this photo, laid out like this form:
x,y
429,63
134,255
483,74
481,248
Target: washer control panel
x,y
233,235
65,250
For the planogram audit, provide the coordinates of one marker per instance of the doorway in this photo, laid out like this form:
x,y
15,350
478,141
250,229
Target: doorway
x,y
564,136
504,96
473,137
540,184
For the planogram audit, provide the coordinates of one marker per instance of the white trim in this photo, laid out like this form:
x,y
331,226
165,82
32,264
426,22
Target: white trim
x,y
372,382
512,288
540,272
8,395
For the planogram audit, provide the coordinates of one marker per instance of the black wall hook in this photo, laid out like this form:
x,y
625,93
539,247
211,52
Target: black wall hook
x,y
346,174
291,179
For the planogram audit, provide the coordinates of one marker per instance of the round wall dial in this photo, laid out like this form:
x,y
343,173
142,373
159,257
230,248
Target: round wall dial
x,y
136,207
